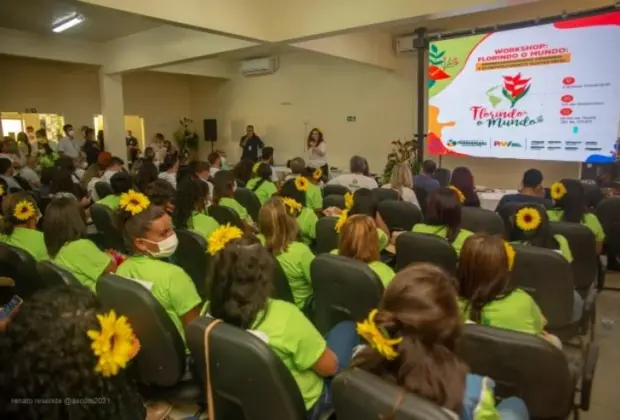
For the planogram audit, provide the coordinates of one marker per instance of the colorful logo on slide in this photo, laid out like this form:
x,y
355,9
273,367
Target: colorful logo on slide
x,y
506,143
515,88
438,64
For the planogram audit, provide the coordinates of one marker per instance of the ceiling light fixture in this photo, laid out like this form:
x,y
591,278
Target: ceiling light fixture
x,y
67,23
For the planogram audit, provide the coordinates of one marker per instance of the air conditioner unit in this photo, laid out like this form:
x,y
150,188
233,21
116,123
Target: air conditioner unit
x,y
259,66
404,45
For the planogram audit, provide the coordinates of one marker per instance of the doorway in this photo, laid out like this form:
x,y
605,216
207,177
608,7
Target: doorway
x,y
135,123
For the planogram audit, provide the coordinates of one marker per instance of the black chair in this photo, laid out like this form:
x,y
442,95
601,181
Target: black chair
x,y
104,220
161,362
399,215
282,288
420,247
224,215
478,220
608,213
531,368
192,257
443,176
360,395
508,210
382,194
19,265
249,200
334,189
53,275
326,235
421,194
240,183
334,200
247,379
103,189
344,290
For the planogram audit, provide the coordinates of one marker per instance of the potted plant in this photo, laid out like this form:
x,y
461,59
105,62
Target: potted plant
x,y
187,138
402,151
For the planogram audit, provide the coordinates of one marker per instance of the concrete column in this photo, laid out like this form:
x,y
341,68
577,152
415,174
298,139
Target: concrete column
x,y
113,112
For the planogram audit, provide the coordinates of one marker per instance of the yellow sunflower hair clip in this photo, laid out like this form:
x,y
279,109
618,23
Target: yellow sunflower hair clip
x,y
342,219
255,168
317,174
558,191
301,183
24,210
134,202
291,205
348,201
221,236
459,194
510,254
528,219
115,344
378,337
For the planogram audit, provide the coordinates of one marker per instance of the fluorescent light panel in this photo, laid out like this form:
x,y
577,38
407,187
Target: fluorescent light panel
x,y
68,23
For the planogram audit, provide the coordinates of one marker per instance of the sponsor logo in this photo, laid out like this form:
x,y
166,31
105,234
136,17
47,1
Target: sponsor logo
x,y
467,143
506,143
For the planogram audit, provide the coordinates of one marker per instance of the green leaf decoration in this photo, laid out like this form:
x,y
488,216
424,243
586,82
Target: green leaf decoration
x,y
441,54
434,48
506,94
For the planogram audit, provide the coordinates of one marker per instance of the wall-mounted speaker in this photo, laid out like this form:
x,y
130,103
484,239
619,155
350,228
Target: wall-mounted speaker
x,y
210,128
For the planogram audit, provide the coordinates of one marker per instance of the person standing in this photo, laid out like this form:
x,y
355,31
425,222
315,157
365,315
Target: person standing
x,y
250,143
67,145
91,146
132,146
317,152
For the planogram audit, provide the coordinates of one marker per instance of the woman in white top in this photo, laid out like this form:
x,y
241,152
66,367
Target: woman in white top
x,y
402,182
317,152
170,167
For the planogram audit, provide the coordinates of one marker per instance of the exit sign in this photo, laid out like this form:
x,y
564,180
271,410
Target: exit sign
x,y
351,118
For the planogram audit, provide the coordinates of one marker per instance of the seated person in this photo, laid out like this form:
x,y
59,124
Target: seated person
x,y
424,180
121,183
532,191
401,181
485,294
190,210
202,170
147,173
169,169
148,233
47,351
413,336
63,185
267,157
279,231
463,180
6,173
224,195
443,218
356,179
570,205
67,164
18,226
240,290
243,172
96,175
29,172
161,193
295,191
47,174
364,202
64,232
215,161
358,240
314,195
113,165
262,184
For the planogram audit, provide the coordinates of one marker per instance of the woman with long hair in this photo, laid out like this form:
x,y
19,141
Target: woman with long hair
x,y
413,336
190,210
463,180
295,191
146,174
317,152
443,217
224,186
18,226
401,181
364,202
262,184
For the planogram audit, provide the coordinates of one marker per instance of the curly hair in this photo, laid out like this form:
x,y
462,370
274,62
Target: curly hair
x,y
191,196
46,360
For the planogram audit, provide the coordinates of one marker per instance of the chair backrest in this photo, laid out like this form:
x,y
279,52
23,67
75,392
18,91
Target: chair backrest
x,y
583,247
249,200
103,218
608,213
248,380
282,288
478,220
103,189
420,247
421,194
547,276
507,210
161,360
224,215
192,256
334,200
344,290
399,215
522,365
382,194
443,176
361,395
53,275
20,266
334,189
326,235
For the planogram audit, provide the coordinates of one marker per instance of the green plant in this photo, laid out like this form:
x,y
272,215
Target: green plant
x,y
406,151
185,136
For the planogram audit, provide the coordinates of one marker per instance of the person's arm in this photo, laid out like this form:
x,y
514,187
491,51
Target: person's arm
x,y
111,268
190,316
321,150
327,365
381,224
184,298
243,141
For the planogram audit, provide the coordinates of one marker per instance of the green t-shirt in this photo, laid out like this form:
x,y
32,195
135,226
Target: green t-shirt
x,y
306,220
382,270
564,249
314,197
111,201
203,225
231,203
84,260
172,287
384,239
295,262
264,192
30,240
516,312
590,220
442,232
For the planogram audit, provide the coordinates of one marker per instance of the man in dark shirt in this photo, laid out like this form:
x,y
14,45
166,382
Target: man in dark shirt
x,y
91,146
532,191
132,146
250,143
425,179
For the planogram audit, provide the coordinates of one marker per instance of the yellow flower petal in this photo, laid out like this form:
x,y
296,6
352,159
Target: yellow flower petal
x,y
134,202
301,183
344,215
348,200
113,344
459,194
528,219
24,210
221,236
558,191
510,254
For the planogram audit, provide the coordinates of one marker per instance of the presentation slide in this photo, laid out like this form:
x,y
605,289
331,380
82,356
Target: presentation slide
x,y
548,92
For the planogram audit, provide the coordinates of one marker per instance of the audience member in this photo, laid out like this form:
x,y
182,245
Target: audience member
x,y
243,172
267,158
224,187
132,146
101,140
67,164
412,339
161,193
91,147
317,152
149,154
94,173
250,145
6,173
121,183
532,191
224,160
192,199
424,179
314,195
261,185
356,179
23,147
295,195
29,173
364,202
47,175
401,181
147,174
63,185
215,161
463,180
68,145
18,225
169,169
114,164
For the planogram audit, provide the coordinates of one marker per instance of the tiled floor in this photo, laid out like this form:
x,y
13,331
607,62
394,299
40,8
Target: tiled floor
x,y
605,404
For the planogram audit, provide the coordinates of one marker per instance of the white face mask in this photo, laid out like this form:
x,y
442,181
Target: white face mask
x,y
167,247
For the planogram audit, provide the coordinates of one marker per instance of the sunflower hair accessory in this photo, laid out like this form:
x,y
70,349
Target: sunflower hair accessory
x,y
558,191
301,183
115,344
255,168
528,219
378,337
348,201
221,236
510,254
134,202
24,210
344,215
317,174
291,205
459,194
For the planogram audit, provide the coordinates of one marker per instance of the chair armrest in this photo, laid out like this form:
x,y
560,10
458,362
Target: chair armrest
x,y
587,378
589,306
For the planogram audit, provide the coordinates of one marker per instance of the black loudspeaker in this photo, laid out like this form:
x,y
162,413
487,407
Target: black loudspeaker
x,y
210,127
